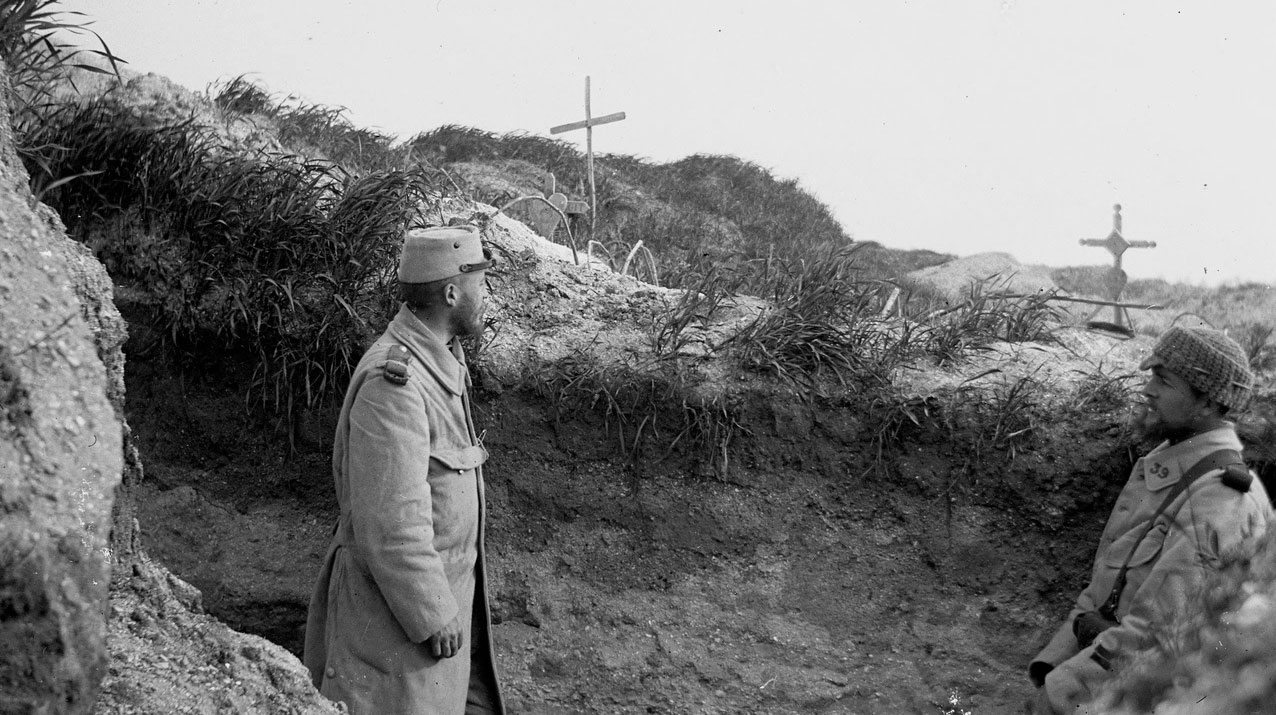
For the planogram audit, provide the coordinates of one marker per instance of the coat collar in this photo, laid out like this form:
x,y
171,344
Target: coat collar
x,y
445,362
1164,465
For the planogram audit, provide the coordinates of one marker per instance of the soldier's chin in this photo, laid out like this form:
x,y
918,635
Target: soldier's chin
x,y
468,328
1147,426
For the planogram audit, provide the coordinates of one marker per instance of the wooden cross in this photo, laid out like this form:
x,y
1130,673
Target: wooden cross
x,y
1116,277
588,125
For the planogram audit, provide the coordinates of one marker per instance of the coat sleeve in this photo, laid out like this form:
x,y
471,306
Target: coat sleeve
x,y
391,506
1063,644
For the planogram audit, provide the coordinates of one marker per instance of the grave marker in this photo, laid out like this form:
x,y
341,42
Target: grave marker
x,y
588,125
545,219
1116,278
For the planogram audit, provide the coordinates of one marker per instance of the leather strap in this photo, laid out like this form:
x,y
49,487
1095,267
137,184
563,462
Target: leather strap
x,y
1214,461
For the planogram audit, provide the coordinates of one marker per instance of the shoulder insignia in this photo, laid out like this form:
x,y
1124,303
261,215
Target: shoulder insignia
x,y
395,367
1237,477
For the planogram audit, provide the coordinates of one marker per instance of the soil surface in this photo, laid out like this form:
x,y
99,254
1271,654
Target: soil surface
x,y
799,580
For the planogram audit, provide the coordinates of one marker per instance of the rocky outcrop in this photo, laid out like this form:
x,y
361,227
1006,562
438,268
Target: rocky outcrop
x,y
60,461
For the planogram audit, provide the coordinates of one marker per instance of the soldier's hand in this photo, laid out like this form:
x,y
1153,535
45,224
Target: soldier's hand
x,y
447,641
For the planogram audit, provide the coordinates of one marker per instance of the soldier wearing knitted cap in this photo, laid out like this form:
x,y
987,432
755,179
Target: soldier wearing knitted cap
x,y
399,619
1187,504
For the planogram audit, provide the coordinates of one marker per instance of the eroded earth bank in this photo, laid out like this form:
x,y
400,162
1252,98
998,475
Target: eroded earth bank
x,y
817,570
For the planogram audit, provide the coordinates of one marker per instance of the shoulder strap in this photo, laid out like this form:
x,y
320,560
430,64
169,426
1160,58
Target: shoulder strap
x,y
395,367
1221,459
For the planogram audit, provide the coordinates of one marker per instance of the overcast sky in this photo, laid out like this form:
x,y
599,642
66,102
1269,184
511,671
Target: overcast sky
x,y
961,126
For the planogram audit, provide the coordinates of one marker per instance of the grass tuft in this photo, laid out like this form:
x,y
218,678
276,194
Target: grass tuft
x,y
38,62
652,407
823,322
987,314
276,257
697,305
314,129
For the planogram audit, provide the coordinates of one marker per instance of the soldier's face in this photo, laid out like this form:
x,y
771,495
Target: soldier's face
x,y
467,314
1171,409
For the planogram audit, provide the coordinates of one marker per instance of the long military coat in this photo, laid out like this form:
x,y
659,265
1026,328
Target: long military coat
x,y
407,553
1204,522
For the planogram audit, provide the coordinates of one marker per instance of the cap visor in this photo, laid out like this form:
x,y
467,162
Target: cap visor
x,y
1150,362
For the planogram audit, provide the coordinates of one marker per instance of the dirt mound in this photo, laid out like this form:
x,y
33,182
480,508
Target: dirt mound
x,y
1002,272
168,657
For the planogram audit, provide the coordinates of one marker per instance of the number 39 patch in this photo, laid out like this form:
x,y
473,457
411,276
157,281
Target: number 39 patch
x,y
1158,470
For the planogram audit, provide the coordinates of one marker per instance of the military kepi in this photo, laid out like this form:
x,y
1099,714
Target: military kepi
x,y
431,254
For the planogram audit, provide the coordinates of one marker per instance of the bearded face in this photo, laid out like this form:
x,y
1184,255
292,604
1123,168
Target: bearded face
x,y
467,314
1171,409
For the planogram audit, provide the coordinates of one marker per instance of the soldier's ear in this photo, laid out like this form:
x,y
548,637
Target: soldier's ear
x,y
451,294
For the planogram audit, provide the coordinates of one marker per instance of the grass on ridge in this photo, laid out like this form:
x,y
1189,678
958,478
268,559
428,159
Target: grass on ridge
x,y
273,256
309,129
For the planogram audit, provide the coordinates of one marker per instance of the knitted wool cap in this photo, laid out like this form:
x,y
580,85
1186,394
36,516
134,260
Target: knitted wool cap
x,y
431,254
1209,360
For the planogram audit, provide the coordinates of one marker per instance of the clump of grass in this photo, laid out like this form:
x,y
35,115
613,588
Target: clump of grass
x,y
309,129
986,426
894,420
452,143
651,405
38,62
987,418
823,322
1102,389
1256,339
767,210
626,259
684,244
696,305
273,256
987,314
242,96
1004,417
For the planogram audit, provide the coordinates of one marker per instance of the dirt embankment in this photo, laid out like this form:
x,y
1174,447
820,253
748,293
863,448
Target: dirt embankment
x,y
808,576
819,554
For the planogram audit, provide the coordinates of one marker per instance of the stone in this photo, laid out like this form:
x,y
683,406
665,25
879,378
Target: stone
x,y
58,484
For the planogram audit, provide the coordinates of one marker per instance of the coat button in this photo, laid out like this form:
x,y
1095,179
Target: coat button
x,y
331,672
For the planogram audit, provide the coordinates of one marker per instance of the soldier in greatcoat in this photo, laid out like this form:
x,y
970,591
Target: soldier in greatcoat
x,y
399,619
1186,505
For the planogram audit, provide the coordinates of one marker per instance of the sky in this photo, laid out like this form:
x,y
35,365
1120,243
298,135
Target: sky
x,y
960,126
